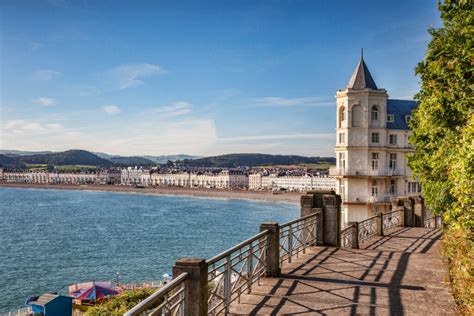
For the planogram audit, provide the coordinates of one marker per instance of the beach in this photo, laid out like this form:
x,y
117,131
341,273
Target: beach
x,y
287,197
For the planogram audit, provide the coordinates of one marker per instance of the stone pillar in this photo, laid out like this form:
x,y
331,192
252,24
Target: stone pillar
x,y
332,220
320,228
196,285
272,257
355,234
312,203
418,210
380,224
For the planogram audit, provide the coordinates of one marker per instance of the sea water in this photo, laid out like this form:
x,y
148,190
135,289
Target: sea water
x,y
50,239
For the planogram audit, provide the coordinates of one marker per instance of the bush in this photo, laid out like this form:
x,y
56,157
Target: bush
x,y
120,304
458,248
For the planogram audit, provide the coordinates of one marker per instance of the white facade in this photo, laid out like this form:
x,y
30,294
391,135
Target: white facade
x,y
223,180
42,177
292,183
134,176
372,141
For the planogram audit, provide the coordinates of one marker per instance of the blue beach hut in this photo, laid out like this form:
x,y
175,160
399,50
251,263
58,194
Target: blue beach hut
x,y
52,305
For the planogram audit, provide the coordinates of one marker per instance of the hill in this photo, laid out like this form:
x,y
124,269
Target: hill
x,y
131,161
5,160
164,158
253,160
69,157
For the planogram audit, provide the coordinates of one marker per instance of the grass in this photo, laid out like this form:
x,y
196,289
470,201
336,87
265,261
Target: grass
x,y
458,248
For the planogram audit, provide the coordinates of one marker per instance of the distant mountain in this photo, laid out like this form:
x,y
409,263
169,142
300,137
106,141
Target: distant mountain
x,y
15,153
154,159
252,160
131,161
69,157
5,160
165,158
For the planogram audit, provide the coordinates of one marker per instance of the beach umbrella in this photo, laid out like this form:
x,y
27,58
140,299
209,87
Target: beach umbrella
x,y
93,292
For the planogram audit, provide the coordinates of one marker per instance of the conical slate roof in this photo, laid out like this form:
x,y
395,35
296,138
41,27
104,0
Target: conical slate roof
x,y
361,78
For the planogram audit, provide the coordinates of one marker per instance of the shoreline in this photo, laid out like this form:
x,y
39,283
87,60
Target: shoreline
x,y
287,197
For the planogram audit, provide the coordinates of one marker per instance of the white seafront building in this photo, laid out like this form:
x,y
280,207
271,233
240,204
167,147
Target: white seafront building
x,y
226,179
372,141
259,181
42,177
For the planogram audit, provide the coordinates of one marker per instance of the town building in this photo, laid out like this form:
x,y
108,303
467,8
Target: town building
x,y
302,183
225,179
371,147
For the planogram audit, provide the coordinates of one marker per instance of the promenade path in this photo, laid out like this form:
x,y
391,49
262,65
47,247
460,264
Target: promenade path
x,y
401,273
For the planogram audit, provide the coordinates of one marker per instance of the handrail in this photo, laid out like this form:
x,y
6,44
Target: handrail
x,y
367,220
299,219
153,298
234,271
296,235
227,252
391,212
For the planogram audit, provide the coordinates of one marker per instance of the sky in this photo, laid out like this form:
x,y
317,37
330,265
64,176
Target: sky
x,y
197,77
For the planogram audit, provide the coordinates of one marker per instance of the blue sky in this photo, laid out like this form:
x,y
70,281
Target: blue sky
x,y
196,77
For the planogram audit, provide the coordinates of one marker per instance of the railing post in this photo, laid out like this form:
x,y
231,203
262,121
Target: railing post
x,y
319,229
355,234
380,224
272,257
196,292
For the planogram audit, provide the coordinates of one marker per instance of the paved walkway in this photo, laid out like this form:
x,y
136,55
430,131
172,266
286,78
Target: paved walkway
x,y
399,274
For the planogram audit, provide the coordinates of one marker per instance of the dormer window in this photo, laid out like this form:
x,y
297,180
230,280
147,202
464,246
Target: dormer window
x,y
407,118
375,113
390,118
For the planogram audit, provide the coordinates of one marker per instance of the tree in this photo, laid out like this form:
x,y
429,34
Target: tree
x,y
443,124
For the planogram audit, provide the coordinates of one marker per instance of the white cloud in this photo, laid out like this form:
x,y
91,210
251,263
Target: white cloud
x,y
132,75
175,109
111,109
307,101
45,74
45,101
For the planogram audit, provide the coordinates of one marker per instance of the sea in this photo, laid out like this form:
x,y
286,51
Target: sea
x,y
50,239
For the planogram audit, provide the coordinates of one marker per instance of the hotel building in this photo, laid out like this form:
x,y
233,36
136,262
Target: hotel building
x,y
371,147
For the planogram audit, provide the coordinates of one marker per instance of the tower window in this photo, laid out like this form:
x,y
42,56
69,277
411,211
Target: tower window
x,y
375,113
375,161
375,138
342,137
392,139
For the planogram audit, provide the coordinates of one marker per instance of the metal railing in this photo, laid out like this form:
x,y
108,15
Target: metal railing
x,y
347,237
365,172
392,219
432,222
233,272
169,300
297,235
368,228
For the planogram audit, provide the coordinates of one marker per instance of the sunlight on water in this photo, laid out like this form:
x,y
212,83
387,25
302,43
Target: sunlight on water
x,y
52,238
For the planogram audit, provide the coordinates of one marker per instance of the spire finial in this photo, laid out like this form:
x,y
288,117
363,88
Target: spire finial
x,y
361,53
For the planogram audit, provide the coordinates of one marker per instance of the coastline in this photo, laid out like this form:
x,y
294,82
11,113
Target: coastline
x,y
287,197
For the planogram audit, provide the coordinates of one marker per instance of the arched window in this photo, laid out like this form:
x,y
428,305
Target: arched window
x,y
342,116
357,116
375,113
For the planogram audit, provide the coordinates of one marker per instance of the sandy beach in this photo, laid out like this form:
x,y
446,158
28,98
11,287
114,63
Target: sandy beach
x,y
288,197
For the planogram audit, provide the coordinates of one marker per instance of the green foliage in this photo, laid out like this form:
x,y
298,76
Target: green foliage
x,y
118,305
443,136
443,125
458,247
